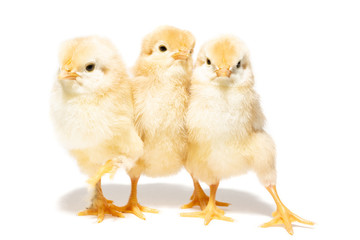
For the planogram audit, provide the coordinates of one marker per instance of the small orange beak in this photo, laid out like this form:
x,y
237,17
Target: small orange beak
x,y
223,72
65,75
181,55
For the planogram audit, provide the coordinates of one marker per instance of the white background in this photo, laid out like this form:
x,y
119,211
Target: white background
x,y
305,57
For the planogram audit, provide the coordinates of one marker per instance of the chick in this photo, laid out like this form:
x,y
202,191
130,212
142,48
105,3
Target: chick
x,y
225,124
162,77
92,112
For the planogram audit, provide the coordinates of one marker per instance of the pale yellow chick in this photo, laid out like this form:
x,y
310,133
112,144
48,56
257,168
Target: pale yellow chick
x,y
162,78
225,124
92,111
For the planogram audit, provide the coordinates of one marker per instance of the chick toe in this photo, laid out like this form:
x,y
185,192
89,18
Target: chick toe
x,y
136,209
100,207
211,211
109,167
199,198
133,205
283,215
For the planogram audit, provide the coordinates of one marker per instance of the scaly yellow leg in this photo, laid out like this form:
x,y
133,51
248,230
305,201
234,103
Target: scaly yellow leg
x,y
211,211
283,215
199,198
101,206
133,205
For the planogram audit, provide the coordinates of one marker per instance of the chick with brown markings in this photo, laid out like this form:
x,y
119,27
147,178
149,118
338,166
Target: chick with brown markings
x,y
225,124
92,112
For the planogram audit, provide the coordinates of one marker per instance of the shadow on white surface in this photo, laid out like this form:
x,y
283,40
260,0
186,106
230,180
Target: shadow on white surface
x,y
165,195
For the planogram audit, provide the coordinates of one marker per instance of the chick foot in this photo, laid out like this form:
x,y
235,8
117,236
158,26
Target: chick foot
x,y
101,206
199,198
109,167
211,211
133,205
136,209
283,215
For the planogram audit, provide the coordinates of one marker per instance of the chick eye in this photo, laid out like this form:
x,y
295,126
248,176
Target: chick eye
x,y
238,64
191,51
208,61
162,48
90,67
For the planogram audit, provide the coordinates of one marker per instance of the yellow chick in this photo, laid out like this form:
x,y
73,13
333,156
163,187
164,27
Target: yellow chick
x,y
162,77
92,112
225,124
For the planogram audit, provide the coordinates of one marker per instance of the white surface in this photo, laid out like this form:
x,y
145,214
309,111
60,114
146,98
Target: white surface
x,y
305,57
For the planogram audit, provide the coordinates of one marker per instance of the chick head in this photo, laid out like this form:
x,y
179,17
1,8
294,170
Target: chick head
x,y
224,61
88,65
164,48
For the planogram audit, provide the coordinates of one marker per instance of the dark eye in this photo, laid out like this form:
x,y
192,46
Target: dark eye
x,y
208,61
162,48
191,51
90,67
238,64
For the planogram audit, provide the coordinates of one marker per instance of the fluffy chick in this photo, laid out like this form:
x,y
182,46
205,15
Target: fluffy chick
x,y
162,77
225,124
92,111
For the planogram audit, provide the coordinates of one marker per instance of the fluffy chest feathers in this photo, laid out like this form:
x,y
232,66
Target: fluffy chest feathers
x,y
219,114
160,104
81,123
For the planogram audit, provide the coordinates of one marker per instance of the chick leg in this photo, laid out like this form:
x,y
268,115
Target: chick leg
x,y
211,211
133,205
283,215
199,198
101,206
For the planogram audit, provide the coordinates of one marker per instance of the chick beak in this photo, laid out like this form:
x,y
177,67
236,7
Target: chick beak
x,y
223,72
181,55
66,75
